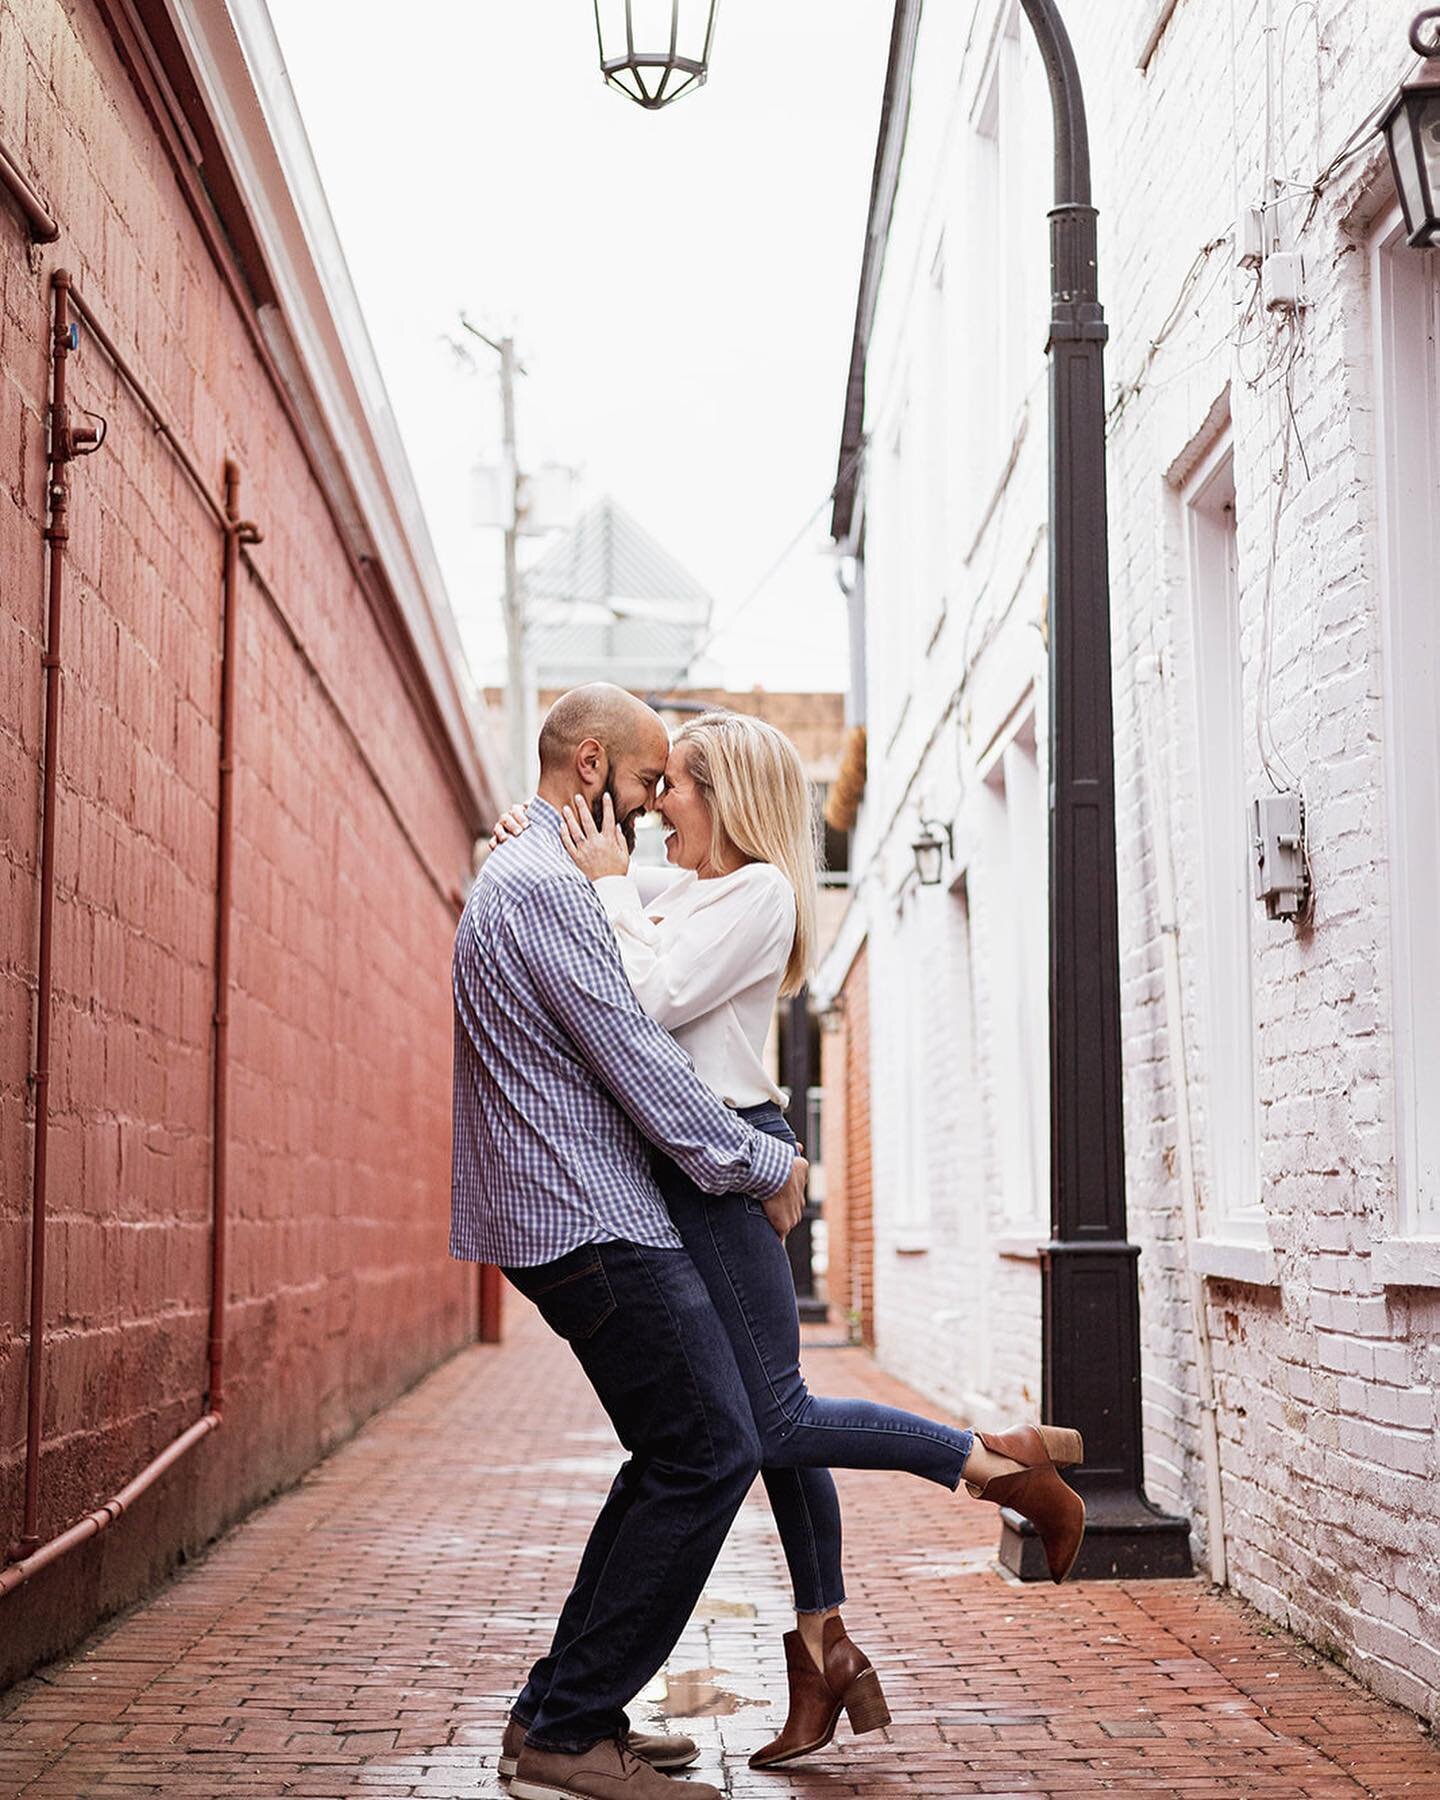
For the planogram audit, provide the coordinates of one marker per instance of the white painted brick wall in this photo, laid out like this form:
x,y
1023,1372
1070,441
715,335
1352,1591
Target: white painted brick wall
x,y
1325,1380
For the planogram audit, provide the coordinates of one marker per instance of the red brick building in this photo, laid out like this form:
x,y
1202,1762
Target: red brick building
x,y
849,1182
240,786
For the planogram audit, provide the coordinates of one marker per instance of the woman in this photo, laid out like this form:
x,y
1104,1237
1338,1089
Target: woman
x,y
709,944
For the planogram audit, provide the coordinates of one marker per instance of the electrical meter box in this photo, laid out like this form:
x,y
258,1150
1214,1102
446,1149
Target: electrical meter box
x,y
1278,836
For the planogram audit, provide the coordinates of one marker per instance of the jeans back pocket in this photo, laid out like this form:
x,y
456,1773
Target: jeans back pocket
x,y
573,1293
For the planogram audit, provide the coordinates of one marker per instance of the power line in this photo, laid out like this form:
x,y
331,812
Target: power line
x,y
666,693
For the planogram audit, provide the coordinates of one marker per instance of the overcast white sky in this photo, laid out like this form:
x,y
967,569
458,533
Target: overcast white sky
x,y
681,284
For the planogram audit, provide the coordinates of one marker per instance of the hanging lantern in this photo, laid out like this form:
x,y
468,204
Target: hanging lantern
x,y
930,848
1412,131
655,50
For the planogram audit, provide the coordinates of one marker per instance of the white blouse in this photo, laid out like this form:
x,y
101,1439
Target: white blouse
x,y
706,960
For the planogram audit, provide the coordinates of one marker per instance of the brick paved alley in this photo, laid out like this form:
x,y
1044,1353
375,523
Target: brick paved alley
x,y
362,1635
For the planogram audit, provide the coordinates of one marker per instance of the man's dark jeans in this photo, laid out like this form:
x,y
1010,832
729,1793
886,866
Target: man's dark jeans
x,y
642,1325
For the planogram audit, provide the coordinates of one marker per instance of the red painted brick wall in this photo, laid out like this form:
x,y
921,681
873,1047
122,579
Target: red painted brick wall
x,y
341,1292
859,1189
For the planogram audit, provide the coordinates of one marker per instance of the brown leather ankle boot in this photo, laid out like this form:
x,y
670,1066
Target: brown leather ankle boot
x,y
1036,1491
848,1681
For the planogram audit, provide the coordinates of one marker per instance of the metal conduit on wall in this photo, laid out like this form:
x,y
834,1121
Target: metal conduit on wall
x,y
43,228
489,1294
28,1555
238,535
66,443
131,38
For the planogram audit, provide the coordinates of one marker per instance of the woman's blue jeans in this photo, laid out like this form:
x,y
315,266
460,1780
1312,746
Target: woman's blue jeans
x,y
743,1264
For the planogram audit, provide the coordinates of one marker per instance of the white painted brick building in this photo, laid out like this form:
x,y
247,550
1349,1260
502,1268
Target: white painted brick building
x,y
1275,570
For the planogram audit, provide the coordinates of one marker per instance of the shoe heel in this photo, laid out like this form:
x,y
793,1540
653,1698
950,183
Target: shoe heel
x,y
1064,1447
865,1704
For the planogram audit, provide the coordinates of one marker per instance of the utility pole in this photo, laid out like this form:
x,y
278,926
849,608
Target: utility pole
x,y
520,708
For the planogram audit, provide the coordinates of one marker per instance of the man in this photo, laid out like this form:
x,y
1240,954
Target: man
x,y
560,1080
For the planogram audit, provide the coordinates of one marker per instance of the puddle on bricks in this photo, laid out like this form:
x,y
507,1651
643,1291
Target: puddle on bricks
x,y
710,1607
696,1694
948,1565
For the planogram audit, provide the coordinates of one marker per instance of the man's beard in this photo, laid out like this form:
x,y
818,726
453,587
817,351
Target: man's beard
x,y
627,824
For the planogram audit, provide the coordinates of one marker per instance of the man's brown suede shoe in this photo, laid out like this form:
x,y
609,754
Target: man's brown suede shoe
x,y
606,1771
660,1752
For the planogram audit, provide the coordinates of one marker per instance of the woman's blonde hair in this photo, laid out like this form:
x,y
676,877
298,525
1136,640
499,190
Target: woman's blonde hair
x,y
759,800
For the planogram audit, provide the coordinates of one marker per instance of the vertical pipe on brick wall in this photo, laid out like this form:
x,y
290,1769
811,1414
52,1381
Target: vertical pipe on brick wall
x,y
62,449
64,444
237,531
220,1059
30,1555
1156,776
57,533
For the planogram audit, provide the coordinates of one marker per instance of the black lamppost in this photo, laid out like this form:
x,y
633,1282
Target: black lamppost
x,y
1412,131
1090,1307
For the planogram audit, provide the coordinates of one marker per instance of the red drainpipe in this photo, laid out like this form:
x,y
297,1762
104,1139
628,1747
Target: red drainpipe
x,y
43,229
65,444
238,531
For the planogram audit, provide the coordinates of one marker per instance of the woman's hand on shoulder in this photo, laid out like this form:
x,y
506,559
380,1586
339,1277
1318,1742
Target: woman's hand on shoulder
x,y
510,824
596,850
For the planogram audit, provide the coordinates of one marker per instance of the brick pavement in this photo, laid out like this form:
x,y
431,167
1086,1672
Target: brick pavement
x,y
362,1635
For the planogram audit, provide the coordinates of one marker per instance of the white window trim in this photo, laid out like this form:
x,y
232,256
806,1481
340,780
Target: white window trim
x,y
1235,1242
914,1212
1022,1233
1251,1261
1020,1246
1407,1262
1004,302
936,526
1410,1254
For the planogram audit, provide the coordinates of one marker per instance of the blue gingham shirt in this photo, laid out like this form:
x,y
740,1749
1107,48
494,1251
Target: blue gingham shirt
x,y
560,1077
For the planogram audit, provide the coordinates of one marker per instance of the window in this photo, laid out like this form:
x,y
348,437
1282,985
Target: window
x,y
1406,294
1011,884
889,520
906,1018
1231,1196
1005,194
987,264
936,473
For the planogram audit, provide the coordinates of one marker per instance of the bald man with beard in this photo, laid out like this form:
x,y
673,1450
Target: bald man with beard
x,y
562,1085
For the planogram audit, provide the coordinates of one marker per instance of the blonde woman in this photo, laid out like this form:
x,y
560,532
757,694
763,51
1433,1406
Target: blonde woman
x,y
709,943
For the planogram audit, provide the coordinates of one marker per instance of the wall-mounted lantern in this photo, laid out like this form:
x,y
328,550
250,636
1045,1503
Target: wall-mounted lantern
x,y
655,50
1412,131
930,849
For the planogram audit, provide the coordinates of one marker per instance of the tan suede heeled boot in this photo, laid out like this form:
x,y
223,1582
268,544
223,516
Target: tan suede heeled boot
x,y
817,1697
1036,1491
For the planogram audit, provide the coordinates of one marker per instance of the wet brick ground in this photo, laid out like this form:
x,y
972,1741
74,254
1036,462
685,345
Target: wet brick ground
x,y
364,1634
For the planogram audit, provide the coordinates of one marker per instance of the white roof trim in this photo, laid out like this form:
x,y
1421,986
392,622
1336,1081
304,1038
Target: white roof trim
x,y
239,69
